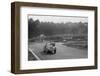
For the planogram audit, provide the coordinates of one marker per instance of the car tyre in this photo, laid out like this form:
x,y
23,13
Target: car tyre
x,y
55,51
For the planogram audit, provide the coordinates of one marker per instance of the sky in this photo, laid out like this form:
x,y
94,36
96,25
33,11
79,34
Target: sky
x,y
58,19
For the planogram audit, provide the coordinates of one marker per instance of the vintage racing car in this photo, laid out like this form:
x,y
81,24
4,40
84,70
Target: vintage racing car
x,y
50,48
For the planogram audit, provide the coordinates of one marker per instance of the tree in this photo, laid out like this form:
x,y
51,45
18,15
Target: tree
x,y
32,28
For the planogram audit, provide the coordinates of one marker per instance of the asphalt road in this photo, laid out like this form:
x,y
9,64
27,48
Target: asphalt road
x,y
63,52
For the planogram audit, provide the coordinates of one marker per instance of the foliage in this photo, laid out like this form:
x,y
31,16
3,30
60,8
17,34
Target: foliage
x,y
36,28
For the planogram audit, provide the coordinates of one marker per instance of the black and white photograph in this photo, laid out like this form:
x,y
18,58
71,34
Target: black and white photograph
x,y
52,37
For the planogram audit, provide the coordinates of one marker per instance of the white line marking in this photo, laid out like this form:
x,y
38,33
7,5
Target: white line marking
x,y
34,54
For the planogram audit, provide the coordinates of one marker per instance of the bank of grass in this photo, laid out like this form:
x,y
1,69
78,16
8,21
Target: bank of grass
x,y
31,56
77,44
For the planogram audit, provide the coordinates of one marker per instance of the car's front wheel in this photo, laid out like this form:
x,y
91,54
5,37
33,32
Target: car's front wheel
x,y
55,51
